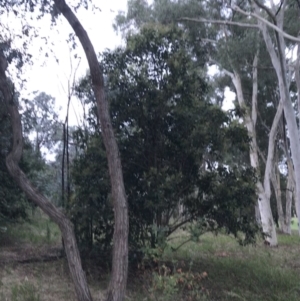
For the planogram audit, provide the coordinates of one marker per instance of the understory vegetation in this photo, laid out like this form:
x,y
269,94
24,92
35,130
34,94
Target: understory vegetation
x,y
214,268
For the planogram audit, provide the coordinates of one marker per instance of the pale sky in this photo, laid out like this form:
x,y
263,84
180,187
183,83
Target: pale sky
x,y
51,77
46,75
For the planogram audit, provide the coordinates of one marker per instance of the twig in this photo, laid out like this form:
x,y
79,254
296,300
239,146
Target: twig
x,y
175,249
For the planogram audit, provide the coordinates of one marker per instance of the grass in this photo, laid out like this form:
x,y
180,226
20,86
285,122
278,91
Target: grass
x,y
214,269
251,273
37,230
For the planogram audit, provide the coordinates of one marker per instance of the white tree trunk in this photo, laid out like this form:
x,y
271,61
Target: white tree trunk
x,y
279,64
263,190
288,206
275,179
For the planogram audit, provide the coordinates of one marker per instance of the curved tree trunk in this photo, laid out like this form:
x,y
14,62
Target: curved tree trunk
x,y
117,286
12,161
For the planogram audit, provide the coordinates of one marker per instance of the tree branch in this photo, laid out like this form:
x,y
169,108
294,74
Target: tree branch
x,y
273,26
12,163
254,88
221,22
266,9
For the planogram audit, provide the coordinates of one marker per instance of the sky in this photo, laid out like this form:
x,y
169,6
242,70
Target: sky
x,y
53,74
52,77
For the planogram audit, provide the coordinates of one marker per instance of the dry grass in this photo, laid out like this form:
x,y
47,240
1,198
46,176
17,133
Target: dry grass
x,y
251,273
34,242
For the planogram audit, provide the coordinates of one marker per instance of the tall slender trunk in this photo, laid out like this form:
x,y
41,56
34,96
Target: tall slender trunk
x,y
263,189
290,187
288,206
275,179
68,155
63,168
117,285
12,161
280,65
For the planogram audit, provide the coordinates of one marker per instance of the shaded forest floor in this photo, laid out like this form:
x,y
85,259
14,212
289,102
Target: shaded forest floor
x,y
32,268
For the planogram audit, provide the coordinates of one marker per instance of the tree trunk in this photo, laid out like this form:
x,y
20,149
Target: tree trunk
x,y
12,161
275,178
257,214
117,285
63,168
68,155
263,189
291,182
280,66
288,206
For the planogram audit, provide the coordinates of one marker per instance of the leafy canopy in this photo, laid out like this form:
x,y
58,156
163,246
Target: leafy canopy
x,y
172,141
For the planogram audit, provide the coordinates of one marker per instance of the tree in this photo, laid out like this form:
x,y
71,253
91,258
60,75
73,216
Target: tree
x,y
224,43
117,285
40,119
172,142
12,160
280,66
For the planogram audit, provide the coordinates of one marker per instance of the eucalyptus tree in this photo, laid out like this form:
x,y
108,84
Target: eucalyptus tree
x,y
241,73
172,140
282,75
278,26
117,286
277,23
40,121
279,32
236,52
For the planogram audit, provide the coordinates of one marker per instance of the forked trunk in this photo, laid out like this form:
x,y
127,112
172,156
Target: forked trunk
x,y
280,65
12,161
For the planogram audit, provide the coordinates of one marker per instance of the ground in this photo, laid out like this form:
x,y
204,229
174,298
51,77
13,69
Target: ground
x,y
33,268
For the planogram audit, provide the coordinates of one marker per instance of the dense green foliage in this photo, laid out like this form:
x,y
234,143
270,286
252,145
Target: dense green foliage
x,y
39,120
12,201
172,141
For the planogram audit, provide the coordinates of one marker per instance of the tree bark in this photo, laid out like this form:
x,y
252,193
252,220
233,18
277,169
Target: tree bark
x,y
117,285
288,206
263,189
12,161
63,168
280,66
275,179
290,187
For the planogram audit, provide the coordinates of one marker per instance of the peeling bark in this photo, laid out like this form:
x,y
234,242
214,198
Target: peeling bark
x,y
12,161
